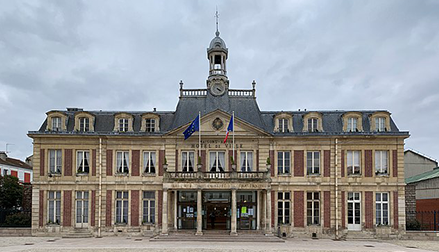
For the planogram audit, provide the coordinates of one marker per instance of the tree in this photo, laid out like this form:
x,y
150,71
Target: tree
x,y
11,192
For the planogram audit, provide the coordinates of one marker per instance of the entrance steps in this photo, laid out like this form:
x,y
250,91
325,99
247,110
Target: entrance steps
x,y
78,233
216,236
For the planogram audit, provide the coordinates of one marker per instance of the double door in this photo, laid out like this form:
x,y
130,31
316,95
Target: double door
x,y
82,208
354,211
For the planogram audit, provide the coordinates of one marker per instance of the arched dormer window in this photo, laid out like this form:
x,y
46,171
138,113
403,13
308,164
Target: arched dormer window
x,y
380,121
56,121
150,122
84,122
352,122
312,122
123,122
283,122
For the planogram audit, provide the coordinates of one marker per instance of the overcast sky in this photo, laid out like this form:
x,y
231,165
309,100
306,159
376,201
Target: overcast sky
x,y
131,55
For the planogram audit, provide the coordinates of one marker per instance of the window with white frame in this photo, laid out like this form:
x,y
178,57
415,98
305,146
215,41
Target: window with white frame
x,y
283,162
55,161
380,124
148,207
56,123
123,124
283,125
246,161
313,208
217,161
283,207
122,161
150,125
313,162
82,162
313,124
122,207
381,162
82,206
84,124
352,124
353,163
149,162
54,207
382,208
187,161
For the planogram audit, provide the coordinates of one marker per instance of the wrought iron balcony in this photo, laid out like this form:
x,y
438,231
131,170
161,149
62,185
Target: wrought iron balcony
x,y
229,175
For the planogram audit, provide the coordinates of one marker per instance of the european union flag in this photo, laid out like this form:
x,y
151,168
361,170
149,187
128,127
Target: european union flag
x,y
194,126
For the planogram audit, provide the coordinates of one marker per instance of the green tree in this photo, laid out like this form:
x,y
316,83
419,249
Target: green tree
x,y
11,192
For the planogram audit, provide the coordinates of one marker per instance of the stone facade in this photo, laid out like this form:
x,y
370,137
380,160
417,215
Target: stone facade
x,y
298,177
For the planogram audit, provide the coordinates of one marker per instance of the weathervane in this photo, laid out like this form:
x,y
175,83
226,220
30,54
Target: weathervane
x,y
217,17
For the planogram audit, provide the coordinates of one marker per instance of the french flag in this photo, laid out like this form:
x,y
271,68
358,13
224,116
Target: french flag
x,y
229,128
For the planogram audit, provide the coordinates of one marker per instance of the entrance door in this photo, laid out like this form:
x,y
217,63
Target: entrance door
x,y
216,206
354,211
187,210
246,210
81,209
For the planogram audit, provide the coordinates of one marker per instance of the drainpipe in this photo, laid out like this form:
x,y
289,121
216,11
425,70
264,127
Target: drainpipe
x,y
100,188
336,190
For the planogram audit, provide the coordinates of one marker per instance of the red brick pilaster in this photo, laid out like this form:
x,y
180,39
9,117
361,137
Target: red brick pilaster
x,y
109,161
108,208
159,206
395,163
273,207
327,209
135,208
395,210
368,206
136,163
161,161
14,174
343,209
41,209
68,162
42,157
298,163
93,208
67,213
368,172
298,209
271,154
326,163
203,161
342,163
257,160
93,162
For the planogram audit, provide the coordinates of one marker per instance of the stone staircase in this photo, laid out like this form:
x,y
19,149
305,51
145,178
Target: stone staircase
x,y
215,236
78,233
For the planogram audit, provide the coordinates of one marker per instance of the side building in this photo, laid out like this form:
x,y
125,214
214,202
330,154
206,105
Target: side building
x,y
15,167
293,173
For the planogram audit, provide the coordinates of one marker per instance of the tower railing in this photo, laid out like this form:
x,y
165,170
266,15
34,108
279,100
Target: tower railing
x,y
242,92
193,92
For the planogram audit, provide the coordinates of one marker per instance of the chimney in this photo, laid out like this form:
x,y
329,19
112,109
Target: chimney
x,y
3,155
155,109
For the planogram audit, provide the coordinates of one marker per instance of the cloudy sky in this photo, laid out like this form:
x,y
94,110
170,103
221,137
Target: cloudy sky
x,y
131,55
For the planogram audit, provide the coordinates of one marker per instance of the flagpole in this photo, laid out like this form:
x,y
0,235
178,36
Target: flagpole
x,y
233,135
199,135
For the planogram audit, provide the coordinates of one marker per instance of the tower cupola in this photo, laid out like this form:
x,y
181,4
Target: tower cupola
x,y
217,54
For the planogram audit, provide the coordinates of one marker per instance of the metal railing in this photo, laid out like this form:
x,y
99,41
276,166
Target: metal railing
x,y
217,175
423,220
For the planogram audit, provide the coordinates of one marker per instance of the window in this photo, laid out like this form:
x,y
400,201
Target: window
x,y
313,208
56,123
381,162
54,207
5,172
352,124
380,124
217,161
122,207
353,163
283,162
312,124
123,124
149,162
122,161
150,125
283,207
382,209
82,162
187,161
313,162
84,124
55,161
148,207
246,161
283,125
82,207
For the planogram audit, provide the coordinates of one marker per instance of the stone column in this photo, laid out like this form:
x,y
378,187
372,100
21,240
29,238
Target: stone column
x,y
175,209
165,212
233,220
258,209
199,214
268,230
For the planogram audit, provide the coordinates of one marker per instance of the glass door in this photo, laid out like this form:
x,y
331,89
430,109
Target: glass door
x,y
81,209
246,210
354,211
187,210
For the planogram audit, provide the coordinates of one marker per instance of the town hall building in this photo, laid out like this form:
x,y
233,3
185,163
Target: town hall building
x,y
289,173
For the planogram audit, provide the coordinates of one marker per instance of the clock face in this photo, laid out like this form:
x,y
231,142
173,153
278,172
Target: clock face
x,y
217,88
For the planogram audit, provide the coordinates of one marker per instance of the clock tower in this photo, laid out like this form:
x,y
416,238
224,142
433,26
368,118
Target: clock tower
x,y
217,82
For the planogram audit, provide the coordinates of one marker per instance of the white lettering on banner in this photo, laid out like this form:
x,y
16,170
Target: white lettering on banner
x,y
217,186
208,146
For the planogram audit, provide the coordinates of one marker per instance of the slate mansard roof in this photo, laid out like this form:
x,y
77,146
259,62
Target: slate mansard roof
x,y
245,108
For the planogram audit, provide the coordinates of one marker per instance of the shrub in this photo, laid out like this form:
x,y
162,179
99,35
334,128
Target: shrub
x,y
18,220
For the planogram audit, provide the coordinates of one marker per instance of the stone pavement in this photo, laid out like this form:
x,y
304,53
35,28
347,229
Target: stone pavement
x,y
122,244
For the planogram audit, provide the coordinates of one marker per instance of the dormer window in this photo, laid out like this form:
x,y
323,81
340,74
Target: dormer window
x,y
283,125
84,124
123,124
352,124
352,121
313,124
380,124
56,123
150,122
283,122
150,125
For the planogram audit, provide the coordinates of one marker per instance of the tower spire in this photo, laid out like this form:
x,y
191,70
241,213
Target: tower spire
x,y
217,33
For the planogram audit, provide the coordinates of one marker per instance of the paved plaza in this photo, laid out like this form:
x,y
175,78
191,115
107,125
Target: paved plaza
x,y
143,244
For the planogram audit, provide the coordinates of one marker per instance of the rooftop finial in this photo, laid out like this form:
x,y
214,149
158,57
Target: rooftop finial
x,y
217,33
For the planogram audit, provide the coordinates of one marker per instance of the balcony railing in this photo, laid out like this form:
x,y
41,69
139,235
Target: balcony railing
x,y
231,175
